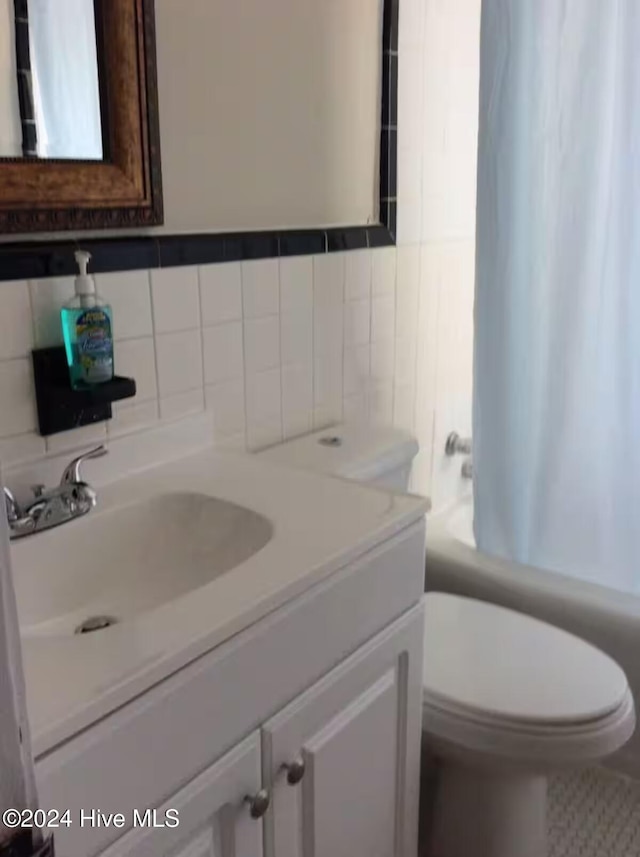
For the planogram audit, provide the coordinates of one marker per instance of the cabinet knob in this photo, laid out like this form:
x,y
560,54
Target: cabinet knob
x,y
258,803
295,771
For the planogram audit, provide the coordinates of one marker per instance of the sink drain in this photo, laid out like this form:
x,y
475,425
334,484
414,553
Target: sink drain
x,y
95,623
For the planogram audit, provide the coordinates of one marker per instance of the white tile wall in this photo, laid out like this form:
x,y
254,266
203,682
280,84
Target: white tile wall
x,y
381,403
297,399
357,322
175,299
408,290
21,448
16,327
137,358
328,300
358,274
182,405
67,441
383,317
129,296
411,31
296,345
383,271
223,352
357,370
436,231
382,361
296,336
221,293
17,414
226,400
272,348
260,288
261,345
179,362
264,408
296,285
356,408
130,417
328,388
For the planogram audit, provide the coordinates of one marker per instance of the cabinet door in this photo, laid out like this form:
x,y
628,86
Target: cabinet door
x,y
214,817
352,747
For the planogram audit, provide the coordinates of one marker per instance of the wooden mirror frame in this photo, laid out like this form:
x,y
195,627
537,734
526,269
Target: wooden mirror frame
x,y
125,190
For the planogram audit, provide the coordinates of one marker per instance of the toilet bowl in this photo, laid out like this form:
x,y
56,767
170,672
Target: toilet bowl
x,y
507,699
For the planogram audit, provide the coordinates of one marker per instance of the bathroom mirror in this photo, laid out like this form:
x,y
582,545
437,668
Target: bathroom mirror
x,y
79,135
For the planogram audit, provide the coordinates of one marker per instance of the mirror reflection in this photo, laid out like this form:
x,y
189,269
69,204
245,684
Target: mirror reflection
x,y
49,80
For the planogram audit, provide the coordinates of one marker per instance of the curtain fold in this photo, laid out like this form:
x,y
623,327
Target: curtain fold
x,y
557,314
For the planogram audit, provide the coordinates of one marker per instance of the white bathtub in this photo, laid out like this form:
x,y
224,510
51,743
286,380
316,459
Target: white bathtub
x,y
607,618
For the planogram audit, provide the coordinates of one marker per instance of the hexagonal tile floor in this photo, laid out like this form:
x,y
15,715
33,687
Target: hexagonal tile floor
x,y
594,813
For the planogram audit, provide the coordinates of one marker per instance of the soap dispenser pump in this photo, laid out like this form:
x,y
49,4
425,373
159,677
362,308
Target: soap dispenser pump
x,y
87,331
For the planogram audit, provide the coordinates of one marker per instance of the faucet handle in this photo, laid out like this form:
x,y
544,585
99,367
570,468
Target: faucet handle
x,y
11,505
72,473
457,445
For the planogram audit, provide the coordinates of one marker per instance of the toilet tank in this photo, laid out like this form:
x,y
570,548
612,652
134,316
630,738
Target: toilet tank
x,y
374,454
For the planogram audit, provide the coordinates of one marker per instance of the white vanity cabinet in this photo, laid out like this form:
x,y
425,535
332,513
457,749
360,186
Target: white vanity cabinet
x,y
214,812
342,760
329,685
350,745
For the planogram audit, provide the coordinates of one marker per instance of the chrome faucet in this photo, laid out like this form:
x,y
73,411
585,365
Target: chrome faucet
x,y
457,445
72,498
13,509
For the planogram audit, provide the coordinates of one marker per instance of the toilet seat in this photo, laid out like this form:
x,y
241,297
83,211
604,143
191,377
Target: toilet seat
x,y
462,735
496,681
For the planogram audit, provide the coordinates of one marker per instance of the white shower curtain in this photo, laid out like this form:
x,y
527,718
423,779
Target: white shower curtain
x,y
17,783
557,349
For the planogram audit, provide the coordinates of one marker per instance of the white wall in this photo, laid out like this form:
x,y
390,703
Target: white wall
x,y
269,112
10,128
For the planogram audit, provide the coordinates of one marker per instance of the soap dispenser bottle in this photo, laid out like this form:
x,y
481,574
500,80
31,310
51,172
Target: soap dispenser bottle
x,y
87,331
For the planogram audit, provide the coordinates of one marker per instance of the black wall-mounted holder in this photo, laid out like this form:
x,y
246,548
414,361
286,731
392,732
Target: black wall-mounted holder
x,y
60,407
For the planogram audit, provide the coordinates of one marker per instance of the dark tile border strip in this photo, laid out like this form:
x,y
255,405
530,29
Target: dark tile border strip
x,y
33,260
304,242
350,238
391,16
389,128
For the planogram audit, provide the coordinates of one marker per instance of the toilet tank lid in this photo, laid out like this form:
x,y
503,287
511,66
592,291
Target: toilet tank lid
x,y
361,453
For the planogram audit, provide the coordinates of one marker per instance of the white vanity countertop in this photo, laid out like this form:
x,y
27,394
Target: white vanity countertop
x,y
319,524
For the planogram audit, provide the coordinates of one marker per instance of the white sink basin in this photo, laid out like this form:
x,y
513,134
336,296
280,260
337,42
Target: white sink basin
x,y
184,555
129,560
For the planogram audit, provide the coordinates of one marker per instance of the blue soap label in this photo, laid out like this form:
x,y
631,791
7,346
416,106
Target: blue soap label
x,y
95,345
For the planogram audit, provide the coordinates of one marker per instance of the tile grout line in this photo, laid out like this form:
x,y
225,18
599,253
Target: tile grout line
x,y
280,347
202,363
313,342
155,343
245,391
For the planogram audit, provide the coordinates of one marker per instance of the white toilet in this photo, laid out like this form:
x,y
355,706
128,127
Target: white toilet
x,y
507,699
